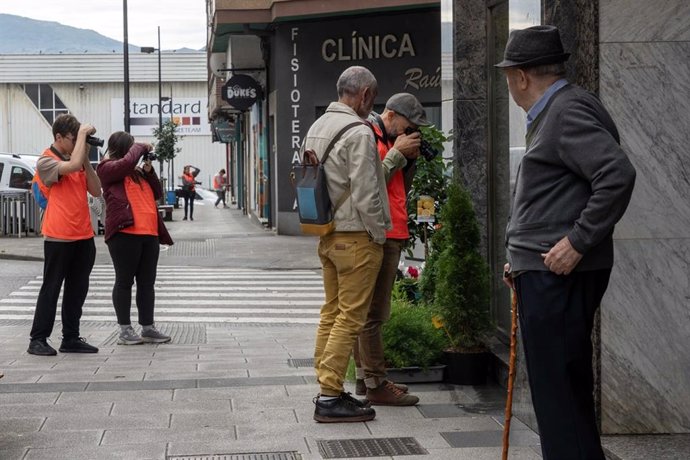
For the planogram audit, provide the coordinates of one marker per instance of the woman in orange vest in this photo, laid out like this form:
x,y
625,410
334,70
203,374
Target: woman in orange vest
x,y
133,232
189,174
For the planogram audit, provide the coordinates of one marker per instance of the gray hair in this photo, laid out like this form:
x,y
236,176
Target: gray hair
x,y
556,70
354,79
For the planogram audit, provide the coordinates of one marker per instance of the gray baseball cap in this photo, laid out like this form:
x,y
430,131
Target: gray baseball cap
x,y
408,106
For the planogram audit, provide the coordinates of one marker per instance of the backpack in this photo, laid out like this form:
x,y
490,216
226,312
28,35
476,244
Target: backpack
x,y
39,190
313,202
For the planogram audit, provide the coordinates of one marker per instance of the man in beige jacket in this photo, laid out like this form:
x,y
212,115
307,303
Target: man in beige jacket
x,y
351,256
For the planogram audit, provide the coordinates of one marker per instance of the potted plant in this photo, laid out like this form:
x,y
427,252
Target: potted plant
x,y
455,282
412,346
429,179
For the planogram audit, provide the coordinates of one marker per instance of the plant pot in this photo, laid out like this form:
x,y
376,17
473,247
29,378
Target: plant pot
x,y
466,368
416,374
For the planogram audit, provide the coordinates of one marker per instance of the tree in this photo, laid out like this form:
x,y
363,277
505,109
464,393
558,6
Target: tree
x,y
166,139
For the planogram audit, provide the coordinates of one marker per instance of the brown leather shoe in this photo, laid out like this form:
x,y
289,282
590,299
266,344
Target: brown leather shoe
x,y
388,394
361,388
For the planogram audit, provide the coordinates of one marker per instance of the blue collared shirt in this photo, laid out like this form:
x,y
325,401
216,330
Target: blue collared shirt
x,y
536,109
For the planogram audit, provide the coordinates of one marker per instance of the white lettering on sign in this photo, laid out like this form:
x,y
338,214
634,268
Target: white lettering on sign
x,y
238,91
295,97
388,46
417,79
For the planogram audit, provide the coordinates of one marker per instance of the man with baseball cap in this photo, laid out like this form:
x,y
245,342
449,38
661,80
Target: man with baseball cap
x,y
573,185
398,152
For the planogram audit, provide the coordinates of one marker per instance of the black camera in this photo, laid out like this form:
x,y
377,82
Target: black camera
x,y
150,156
425,149
95,141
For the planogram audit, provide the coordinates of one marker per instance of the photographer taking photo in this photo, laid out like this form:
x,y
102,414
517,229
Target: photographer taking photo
x,y
189,182
69,250
133,232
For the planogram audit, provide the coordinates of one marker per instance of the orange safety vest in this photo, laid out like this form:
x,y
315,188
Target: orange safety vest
x,y
144,209
67,215
397,198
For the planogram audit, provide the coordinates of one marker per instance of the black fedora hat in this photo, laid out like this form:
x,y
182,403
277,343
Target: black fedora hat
x,y
533,46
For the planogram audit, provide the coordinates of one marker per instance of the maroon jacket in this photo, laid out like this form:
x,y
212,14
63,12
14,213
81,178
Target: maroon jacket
x,y
118,214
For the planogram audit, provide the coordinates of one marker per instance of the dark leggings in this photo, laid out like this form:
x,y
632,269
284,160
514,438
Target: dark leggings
x,y
221,197
71,263
189,202
134,257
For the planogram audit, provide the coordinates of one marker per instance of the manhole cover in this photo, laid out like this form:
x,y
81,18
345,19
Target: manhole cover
x,y
301,362
192,248
257,456
377,447
180,333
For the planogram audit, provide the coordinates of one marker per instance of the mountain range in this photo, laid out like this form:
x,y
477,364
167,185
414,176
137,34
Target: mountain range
x,y
20,35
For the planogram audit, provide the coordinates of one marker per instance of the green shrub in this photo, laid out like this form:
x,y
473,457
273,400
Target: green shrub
x,y
409,337
456,277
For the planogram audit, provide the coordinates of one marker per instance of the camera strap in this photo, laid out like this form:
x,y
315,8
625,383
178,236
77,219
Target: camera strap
x,y
382,127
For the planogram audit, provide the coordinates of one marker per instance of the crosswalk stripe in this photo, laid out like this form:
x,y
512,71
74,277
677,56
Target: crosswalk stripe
x,y
182,282
188,288
192,319
197,294
189,302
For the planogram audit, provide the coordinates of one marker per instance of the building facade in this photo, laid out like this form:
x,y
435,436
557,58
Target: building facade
x,y
34,89
634,55
296,51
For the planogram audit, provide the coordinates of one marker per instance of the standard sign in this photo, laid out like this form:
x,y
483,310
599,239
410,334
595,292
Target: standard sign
x,y
241,91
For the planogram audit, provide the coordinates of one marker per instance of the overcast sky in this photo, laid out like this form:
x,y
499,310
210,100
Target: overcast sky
x,y
182,22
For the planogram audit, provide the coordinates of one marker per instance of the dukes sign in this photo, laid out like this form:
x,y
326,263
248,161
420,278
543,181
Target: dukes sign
x,y
241,91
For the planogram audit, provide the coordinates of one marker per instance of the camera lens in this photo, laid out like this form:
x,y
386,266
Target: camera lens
x,y
96,142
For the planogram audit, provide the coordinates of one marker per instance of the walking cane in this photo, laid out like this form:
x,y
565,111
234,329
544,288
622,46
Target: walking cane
x,y
511,373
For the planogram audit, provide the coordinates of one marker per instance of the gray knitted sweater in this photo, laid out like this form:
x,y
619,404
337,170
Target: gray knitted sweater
x,y
574,181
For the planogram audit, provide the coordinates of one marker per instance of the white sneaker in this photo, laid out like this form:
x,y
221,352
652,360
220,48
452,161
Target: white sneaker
x,y
129,337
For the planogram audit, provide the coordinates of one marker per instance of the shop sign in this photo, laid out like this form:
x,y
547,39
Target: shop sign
x,y
188,113
241,91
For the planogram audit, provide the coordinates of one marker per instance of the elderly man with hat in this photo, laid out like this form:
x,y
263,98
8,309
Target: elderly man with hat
x,y
398,151
573,185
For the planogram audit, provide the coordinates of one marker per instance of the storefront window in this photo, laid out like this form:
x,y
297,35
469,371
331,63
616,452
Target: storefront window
x,y
506,142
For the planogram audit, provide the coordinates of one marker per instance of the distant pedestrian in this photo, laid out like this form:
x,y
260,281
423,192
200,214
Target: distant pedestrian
x,y
398,151
573,185
189,182
133,232
69,249
351,256
220,185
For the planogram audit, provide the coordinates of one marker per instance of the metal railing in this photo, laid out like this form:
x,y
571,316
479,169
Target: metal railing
x,y
20,215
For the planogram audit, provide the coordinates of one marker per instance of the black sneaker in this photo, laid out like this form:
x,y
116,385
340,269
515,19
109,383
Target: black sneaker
x,y
40,347
76,345
342,409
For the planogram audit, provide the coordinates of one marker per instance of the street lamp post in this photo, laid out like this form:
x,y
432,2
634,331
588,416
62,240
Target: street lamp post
x,y
125,52
149,50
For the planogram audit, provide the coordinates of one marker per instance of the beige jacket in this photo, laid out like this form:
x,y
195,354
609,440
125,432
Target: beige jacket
x,y
353,164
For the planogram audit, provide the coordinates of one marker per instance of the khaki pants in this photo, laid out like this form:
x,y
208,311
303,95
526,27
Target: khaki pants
x,y
369,347
351,262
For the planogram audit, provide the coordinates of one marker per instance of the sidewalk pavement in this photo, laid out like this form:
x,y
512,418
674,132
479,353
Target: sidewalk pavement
x,y
221,389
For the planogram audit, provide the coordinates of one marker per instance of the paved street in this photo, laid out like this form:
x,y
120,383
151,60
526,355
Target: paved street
x,y
241,305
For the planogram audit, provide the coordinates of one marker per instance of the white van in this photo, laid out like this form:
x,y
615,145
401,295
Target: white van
x,y
16,172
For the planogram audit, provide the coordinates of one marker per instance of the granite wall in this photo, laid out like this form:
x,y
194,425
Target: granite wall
x,y
636,56
645,316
